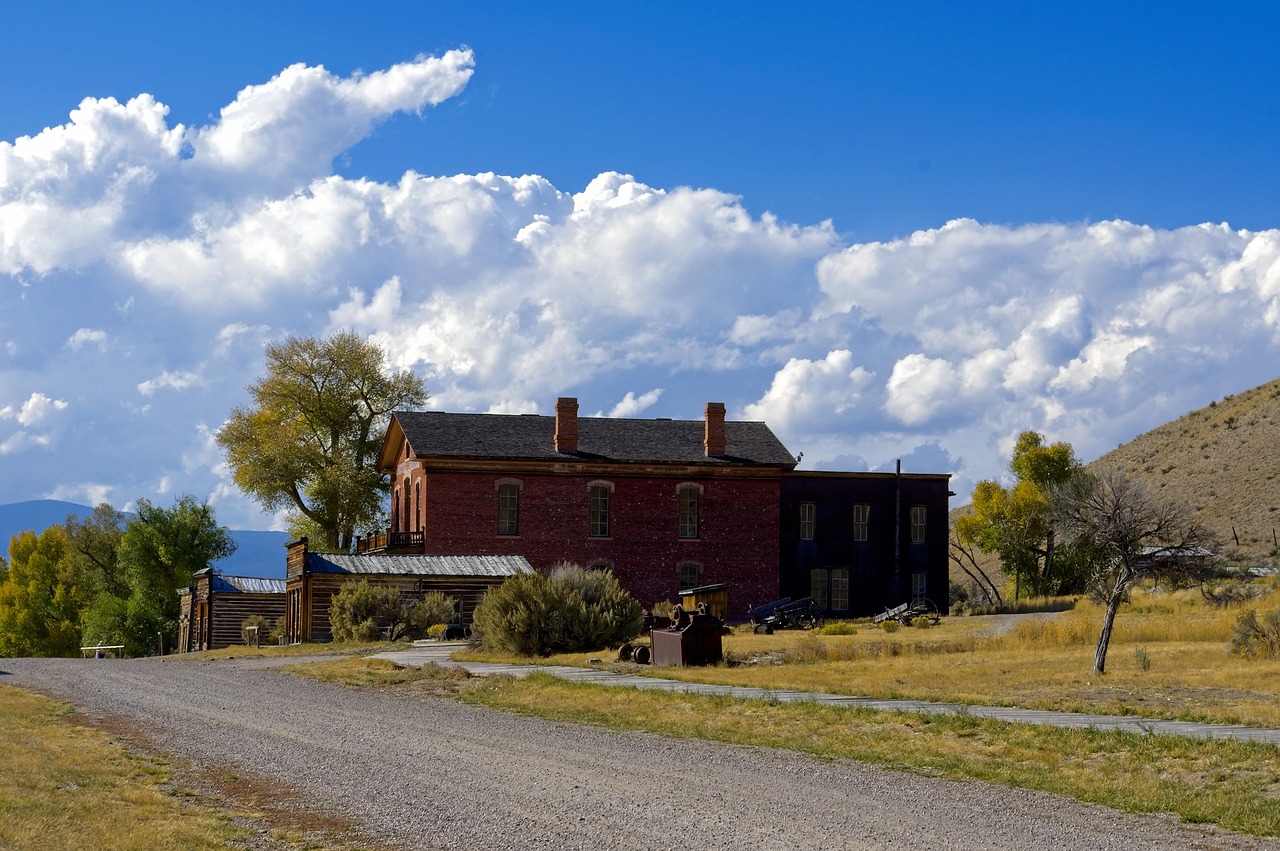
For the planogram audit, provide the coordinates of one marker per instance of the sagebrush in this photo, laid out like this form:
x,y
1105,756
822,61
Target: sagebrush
x,y
564,611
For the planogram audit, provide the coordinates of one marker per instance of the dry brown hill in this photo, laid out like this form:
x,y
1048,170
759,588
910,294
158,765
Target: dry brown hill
x,y
1224,462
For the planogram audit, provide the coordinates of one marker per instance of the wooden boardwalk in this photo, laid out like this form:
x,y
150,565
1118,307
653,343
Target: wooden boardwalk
x,y
439,652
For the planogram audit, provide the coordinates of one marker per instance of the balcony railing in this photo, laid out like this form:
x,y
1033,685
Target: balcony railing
x,y
384,541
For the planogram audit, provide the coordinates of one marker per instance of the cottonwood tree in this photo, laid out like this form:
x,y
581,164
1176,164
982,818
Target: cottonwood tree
x,y
309,441
160,550
1131,535
1015,523
42,596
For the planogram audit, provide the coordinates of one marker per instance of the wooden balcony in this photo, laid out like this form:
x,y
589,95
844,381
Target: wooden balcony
x,y
390,542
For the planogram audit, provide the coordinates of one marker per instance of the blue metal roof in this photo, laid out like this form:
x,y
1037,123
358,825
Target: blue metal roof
x,y
245,585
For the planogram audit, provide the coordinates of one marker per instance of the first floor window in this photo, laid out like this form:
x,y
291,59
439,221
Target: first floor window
x,y
919,586
818,587
808,520
508,508
840,590
918,524
689,574
861,521
599,511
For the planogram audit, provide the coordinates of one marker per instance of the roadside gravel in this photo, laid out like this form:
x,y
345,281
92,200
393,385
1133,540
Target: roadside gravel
x,y
432,773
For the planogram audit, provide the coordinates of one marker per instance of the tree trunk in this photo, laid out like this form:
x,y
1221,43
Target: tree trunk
x,y
1108,621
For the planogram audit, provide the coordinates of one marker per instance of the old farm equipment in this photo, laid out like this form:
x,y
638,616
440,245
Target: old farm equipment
x,y
688,638
786,613
907,612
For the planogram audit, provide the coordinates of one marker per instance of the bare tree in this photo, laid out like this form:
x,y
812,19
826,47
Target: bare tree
x,y
1129,534
965,558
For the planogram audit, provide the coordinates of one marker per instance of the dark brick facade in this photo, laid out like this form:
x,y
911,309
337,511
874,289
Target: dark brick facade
x,y
879,574
737,538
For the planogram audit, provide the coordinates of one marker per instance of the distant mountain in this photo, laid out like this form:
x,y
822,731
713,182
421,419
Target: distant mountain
x,y
257,553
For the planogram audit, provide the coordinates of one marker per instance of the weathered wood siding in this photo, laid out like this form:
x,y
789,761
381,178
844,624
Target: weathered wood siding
x,y
323,586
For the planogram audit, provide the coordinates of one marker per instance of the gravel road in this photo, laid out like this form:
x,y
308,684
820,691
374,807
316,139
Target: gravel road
x,y
432,773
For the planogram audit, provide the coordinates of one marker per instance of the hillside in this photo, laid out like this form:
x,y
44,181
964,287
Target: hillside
x,y
1222,461
257,553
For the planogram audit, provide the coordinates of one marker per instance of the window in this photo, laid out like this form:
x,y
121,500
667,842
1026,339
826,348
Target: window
x,y
406,518
918,525
861,519
919,586
808,520
689,510
818,587
840,590
689,573
508,508
417,505
599,510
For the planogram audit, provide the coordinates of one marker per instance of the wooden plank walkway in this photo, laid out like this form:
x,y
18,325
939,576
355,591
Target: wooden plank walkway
x,y
439,652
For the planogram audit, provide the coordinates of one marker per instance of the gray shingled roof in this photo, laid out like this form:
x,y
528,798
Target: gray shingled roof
x,y
418,565
246,585
532,438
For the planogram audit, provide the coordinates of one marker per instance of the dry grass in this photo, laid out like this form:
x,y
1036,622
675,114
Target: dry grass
x,y
1168,659
65,786
334,648
1231,784
382,672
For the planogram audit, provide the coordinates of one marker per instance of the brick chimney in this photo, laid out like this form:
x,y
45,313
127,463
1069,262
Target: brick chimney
x,y
713,436
566,424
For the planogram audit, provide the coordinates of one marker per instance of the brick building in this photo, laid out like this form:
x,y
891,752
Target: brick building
x,y
665,504
662,503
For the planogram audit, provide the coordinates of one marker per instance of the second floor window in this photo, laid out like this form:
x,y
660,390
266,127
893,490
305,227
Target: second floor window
x,y
689,511
508,509
918,524
861,520
808,520
599,511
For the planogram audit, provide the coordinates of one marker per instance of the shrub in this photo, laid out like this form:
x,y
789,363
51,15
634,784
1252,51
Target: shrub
x,y
434,609
890,626
838,628
1257,637
921,623
360,612
264,629
436,631
1142,659
662,609
564,611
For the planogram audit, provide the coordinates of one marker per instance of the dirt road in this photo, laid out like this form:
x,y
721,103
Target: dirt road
x,y
435,773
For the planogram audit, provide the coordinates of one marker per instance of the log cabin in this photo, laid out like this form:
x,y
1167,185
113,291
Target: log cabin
x,y
213,607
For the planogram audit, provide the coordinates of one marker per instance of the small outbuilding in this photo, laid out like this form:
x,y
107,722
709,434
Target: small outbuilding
x,y
213,607
313,578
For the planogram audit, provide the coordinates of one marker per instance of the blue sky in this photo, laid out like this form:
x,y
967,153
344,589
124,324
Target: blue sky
x,y
890,231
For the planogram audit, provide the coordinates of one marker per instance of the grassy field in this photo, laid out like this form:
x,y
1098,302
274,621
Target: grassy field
x,y
1168,659
68,786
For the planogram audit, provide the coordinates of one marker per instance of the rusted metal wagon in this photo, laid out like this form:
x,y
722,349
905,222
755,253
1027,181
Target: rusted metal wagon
x,y
786,613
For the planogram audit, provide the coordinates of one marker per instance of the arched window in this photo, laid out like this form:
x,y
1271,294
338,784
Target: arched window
x,y
406,518
690,575
418,520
